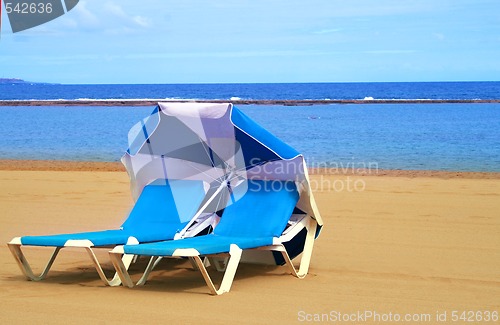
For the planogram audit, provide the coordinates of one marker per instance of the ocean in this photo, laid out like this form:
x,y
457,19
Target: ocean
x,y
261,91
453,137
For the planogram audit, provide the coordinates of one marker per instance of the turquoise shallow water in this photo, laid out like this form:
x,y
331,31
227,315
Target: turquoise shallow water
x,y
462,137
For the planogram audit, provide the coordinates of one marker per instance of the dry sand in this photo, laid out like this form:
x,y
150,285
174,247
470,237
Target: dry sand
x,y
392,244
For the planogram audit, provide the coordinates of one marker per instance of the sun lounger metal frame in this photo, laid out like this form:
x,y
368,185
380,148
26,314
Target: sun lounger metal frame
x,y
15,248
232,264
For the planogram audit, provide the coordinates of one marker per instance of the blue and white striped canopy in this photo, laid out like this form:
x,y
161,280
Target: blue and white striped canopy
x,y
215,143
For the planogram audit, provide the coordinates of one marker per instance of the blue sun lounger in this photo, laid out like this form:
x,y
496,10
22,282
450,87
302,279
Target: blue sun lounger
x,y
162,209
255,221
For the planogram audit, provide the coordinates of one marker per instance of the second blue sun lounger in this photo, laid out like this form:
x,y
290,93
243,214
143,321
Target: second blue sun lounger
x,y
256,220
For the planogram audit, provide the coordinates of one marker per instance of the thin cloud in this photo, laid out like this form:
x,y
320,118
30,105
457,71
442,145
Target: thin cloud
x,y
389,51
114,9
439,36
142,21
327,31
85,17
108,18
230,54
128,20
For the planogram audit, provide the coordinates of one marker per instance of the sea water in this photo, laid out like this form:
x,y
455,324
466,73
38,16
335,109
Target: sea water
x,y
459,137
275,91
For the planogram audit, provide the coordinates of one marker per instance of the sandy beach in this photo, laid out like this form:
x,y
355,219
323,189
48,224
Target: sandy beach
x,y
424,244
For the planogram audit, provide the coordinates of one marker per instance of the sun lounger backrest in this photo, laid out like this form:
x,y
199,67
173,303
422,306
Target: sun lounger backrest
x,y
161,205
263,210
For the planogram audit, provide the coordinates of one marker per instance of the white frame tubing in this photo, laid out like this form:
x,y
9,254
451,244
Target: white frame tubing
x,y
194,256
305,261
231,265
24,265
153,262
15,248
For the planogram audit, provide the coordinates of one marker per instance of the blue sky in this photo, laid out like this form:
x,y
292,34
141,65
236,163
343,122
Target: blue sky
x,y
159,41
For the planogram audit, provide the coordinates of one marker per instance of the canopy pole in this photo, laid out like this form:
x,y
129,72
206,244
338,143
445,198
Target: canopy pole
x,y
181,233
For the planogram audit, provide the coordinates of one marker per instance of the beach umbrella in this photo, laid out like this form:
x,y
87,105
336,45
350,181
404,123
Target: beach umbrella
x,y
221,146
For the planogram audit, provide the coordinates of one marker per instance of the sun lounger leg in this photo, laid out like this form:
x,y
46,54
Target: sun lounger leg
x,y
87,244
206,262
305,262
306,253
97,266
153,262
116,281
194,265
24,265
121,269
127,259
231,268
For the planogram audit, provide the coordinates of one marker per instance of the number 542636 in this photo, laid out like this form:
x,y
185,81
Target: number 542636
x,y
28,8
474,316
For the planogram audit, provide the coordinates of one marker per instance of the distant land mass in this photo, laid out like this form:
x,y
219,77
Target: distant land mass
x,y
12,81
18,81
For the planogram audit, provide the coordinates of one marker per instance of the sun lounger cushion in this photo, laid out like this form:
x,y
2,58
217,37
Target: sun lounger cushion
x,y
160,211
260,214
